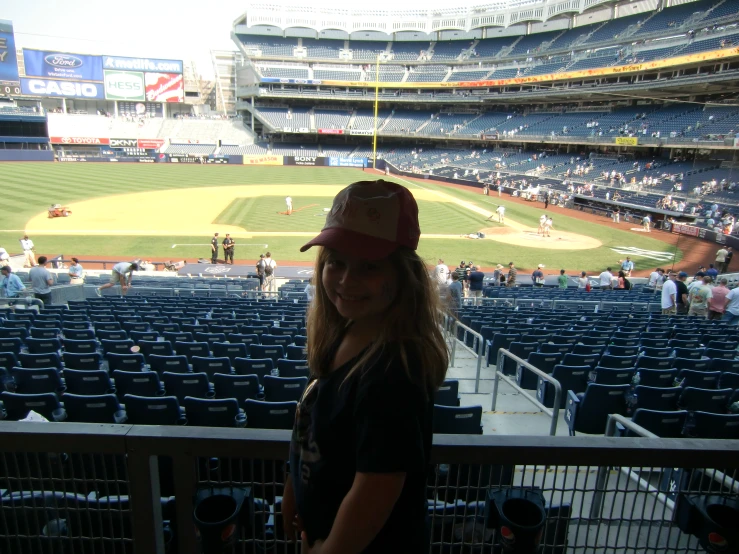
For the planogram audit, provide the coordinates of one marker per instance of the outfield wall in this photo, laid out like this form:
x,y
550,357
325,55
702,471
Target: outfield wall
x,y
26,156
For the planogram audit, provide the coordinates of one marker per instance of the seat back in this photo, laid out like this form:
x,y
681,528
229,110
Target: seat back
x,y
274,352
657,377
160,348
186,384
84,362
610,361
137,383
455,420
665,424
211,366
222,412
590,360
448,393
37,361
663,399
705,400
192,349
164,410
87,346
699,379
126,362
247,366
270,415
18,405
240,387
103,408
229,350
293,368
35,381
714,426
171,364
283,389
598,402
87,382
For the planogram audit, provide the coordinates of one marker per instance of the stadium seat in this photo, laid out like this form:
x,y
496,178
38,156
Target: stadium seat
x,y
126,362
660,378
455,420
593,341
35,381
730,345
229,350
210,338
270,415
89,362
177,336
248,366
77,334
662,399
544,362
164,410
685,343
714,426
16,406
192,349
696,365
211,366
296,353
522,350
138,336
689,353
116,346
448,393
698,379
274,340
211,412
713,353
37,361
80,346
724,365
653,343
729,380
137,383
11,344
88,382
292,368
625,342
617,362
171,364
187,384
573,378
240,387
283,389
614,376
713,401
622,351
45,332
589,349
103,408
8,360
500,340
243,338
274,352
159,348
110,331
649,362
589,411
668,425
14,333
300,340
165,327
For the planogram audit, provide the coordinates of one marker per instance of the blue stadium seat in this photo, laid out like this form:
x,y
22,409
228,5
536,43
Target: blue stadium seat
x,y
685,343
448,393
270,415
272,340
177,336
730,345
248,366
724,365
88,382
191,349
159,348
713,353
8,360
293,368
581,359
729,380
283,389
649,362
103,408
625,342
210,338
593,341
659,378
80,346
590,349
137,383
455,420
522,350
43,346
713,401
243,338
11,344
661,399
589,411
126,362
609,361
500,340
165,327
296,353
699,379
211,366
668,425
85,362
614,376
689,353
45,332
14,333
77,334
240,387
171,364
229,350
654,343
187,384
110,331
36,361
16,406
274,352
35,381
211,412
571,378
545,362
622,351
164,410
688,363
300,340
138,336
714,426
117,346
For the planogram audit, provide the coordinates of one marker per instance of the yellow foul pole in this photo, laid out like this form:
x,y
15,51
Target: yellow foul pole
x,y
377,96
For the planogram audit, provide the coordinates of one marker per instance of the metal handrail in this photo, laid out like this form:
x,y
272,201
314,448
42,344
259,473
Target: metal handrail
x,y
480,353
553,413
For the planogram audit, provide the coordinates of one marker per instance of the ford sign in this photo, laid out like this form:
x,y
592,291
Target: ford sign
x,y
63,60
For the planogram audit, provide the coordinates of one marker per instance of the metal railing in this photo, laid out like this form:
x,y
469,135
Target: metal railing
x,y
553,412
160,469
452,327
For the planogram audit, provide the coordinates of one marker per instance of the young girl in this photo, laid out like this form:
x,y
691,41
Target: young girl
x,y
363,428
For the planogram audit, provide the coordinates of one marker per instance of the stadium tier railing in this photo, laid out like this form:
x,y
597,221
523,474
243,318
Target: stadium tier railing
x,y
147,479
457,332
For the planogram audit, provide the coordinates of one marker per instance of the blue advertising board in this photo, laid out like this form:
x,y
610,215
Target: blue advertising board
x,y
61,65
8,61
63,89
142,64
347,162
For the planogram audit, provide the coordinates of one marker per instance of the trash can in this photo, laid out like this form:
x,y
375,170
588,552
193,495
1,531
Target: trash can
x,y
219,514
518,516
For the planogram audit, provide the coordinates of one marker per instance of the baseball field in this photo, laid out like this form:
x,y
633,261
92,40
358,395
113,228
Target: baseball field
x,y
170,211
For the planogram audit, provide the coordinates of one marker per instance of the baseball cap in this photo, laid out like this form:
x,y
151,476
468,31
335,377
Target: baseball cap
x,y
498,266
540,266
373,218
682,274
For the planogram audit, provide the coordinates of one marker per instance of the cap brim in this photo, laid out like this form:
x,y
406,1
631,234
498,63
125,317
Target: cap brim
x,y
353,243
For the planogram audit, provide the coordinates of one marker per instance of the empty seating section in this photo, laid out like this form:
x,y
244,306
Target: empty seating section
x,y
444,123
408,51
282,118
669,18
323,48
365,119
332,119
544,69
449,50
427,73
366,50
203,149
252,149
476,75
387,73
405,121
587,63
336,74
613,29
490,47
572,36
284,72
269,46
530,45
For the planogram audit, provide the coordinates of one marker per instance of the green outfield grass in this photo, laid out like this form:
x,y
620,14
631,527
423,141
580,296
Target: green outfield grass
x,y
29,188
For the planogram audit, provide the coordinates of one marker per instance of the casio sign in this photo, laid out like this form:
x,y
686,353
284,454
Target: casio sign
x,y
63,60
62,88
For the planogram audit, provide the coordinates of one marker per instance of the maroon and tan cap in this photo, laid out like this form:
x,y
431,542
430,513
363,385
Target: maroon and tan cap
x,y
370,219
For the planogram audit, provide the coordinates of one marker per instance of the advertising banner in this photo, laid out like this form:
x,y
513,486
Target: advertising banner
x,y
142,64
65,89
330,131
124,85
263,160
8,60
61,65
80,140
347,162
124,143
305,160
362,132
217,160
690,230
285,81
82,159
164,87
627,141
150,144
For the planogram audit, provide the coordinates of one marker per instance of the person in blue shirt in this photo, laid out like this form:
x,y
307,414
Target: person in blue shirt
x,y
11,284
76,272
712,272
627,266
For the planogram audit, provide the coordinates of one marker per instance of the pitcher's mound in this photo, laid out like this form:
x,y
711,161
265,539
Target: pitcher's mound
x,y
559,240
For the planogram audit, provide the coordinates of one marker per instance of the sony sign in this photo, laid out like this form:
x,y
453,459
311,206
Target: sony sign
x,y
66,89
124,143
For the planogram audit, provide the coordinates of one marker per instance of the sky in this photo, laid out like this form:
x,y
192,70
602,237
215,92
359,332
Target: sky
x,y
185,30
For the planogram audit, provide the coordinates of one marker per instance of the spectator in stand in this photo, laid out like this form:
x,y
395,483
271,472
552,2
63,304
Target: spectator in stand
x,y
583,283
11,284
476,279
656,278
682,293
731,307
721,258
699,298
118,276
669,295
76,273
606,279
537,277
456,294
41,281
562,279
717,302
512,275
712,272
441,273
727,260
621,281
498,276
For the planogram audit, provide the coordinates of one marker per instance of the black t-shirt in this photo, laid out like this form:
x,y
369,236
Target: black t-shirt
x,y
377,422
227,243
682,288
214,243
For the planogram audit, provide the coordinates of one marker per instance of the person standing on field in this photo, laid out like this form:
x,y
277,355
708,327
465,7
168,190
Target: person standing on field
x,y
289,202
28,252
228,249
214,249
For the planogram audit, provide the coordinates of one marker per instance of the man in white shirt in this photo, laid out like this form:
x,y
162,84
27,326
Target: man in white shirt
x,y
721,257
118,276
269,266
731,311
606,280
656,278
441,273
4,256
28,246
289,202
669,295
542,220
310,292
76,273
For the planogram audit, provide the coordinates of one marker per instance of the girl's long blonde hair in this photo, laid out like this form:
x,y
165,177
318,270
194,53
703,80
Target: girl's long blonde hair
x,y
414,320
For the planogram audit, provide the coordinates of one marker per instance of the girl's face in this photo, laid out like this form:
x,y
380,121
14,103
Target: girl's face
x,y
359,289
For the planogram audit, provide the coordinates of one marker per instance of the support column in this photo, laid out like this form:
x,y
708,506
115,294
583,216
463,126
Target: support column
x,y
64,105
